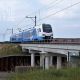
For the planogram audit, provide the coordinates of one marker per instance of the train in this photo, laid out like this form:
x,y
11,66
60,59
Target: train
x,y
38,33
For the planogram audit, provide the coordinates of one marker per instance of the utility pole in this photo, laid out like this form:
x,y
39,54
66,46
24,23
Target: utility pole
x,y
32,19
35,20
12,31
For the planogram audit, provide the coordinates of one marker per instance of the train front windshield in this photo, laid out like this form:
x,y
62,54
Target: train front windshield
x,y
47,28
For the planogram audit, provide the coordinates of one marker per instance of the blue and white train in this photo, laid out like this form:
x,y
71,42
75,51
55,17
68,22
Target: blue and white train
x,y
38,33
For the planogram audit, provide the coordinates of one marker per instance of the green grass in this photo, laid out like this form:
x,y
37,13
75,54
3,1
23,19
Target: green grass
x,y
52,74
10,49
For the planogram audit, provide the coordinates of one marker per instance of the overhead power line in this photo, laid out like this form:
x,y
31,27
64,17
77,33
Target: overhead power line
x,y
20,21
50,14
39,10
54,3
49,7
44,7
60,11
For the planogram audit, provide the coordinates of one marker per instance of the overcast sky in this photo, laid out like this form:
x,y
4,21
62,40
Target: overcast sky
x,y
65,23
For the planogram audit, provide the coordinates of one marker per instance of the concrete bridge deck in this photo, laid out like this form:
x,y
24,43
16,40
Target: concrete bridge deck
x,y
59,47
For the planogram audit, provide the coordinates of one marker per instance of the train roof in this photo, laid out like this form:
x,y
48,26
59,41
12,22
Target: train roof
x,y
29,29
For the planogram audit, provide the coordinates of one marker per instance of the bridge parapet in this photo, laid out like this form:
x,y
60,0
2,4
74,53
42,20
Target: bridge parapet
x,y
56,41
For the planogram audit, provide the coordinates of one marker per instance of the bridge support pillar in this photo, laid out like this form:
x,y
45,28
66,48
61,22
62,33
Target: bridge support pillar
x,y
32,60
58,62
46,62
41,60
51,63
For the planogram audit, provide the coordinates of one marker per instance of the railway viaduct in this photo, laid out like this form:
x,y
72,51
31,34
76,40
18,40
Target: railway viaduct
x,y
59,47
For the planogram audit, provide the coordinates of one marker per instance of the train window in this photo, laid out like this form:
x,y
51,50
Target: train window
x,y
47,28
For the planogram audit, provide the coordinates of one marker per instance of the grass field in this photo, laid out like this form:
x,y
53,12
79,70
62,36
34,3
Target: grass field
x,y
10,49
52,74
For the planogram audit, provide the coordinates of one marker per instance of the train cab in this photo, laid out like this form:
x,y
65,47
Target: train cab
x,y
44,31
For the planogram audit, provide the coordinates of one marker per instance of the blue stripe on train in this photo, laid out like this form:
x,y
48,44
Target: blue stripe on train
x,y
34,38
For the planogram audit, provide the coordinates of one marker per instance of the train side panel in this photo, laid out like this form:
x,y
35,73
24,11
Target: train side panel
x,y
26,36
39,33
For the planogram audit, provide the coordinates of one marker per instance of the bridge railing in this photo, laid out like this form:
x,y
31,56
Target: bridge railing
x,y
56,41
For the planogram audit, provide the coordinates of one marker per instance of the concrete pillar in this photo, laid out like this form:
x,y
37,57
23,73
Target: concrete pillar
x,y
58,62
68,57
41,60
44,60
32,60
47,62
51,63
